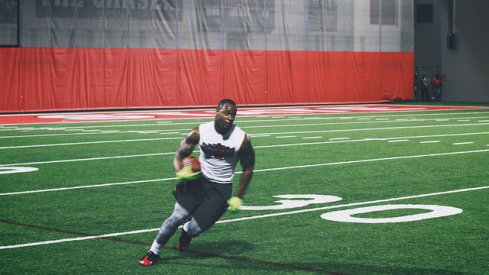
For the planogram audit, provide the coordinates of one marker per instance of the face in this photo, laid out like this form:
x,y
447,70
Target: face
x,y
225,118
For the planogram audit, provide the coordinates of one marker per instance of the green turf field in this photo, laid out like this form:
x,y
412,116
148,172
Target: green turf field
x,y
102,189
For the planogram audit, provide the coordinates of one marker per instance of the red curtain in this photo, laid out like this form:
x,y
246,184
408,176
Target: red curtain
x,y
46,79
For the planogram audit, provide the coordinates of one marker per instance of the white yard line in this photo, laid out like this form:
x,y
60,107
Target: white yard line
x,y
97,132
372,160
242,119
285,136
256,147
376,129
256,171
463,143
339,138
366,139
55,135
298,132
252,135
429,141
86,143
159,123
85,186
87,159
83,128
248,218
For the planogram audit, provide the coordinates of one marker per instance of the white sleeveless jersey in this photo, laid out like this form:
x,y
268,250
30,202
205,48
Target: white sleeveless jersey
x,y
219,153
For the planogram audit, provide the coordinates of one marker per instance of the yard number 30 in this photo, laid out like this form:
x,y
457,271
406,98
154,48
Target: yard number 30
x,y
296,201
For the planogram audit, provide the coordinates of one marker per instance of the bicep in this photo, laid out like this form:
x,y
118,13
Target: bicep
x,y
188,144
247,154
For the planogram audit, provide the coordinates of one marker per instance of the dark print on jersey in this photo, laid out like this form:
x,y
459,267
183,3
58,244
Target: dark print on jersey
x,y
217,151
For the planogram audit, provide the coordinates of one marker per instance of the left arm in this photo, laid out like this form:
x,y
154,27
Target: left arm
x,y
247,160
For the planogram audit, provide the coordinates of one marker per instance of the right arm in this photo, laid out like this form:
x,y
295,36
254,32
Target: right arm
x,y
186,148
247,159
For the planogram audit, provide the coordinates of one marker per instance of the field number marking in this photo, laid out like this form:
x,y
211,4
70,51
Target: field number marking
x,y
108,235
436,211
288,204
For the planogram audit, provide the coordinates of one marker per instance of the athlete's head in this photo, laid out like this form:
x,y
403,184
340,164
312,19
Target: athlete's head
x,y
225,114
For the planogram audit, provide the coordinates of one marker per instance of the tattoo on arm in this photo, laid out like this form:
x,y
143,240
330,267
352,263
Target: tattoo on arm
x,y
186,147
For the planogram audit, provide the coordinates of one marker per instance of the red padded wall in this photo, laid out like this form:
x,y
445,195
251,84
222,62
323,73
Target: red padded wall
x,y
43,79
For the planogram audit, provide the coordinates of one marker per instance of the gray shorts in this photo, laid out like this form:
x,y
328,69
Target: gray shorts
x,y
206,201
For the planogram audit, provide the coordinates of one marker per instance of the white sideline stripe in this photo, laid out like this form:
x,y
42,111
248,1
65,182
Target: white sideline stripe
x,y
463,143
252,135
398,140
246,218
256,147
363,140
243,119
379,128
81,128
256,171
99,132
52,135
85,143
429,141
372,160
296,132
311,124
160,123
77,239
87,159
84,187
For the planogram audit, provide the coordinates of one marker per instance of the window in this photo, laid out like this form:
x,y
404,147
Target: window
x,y
9,23
323,15
387,9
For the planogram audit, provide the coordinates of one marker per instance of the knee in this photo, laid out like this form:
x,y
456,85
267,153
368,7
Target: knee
x,y
178,217
179,214
174,221
192,228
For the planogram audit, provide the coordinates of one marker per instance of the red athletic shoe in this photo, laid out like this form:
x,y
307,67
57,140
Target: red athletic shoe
x,y
149,259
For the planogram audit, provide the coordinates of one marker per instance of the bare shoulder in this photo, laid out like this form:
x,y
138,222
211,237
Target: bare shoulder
x,y
246,146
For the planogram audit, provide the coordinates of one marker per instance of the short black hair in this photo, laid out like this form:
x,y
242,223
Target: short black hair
x,y
224,102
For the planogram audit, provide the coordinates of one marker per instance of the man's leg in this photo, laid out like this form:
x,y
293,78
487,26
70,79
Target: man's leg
x,y
167,229
169,226
188,195
206,215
